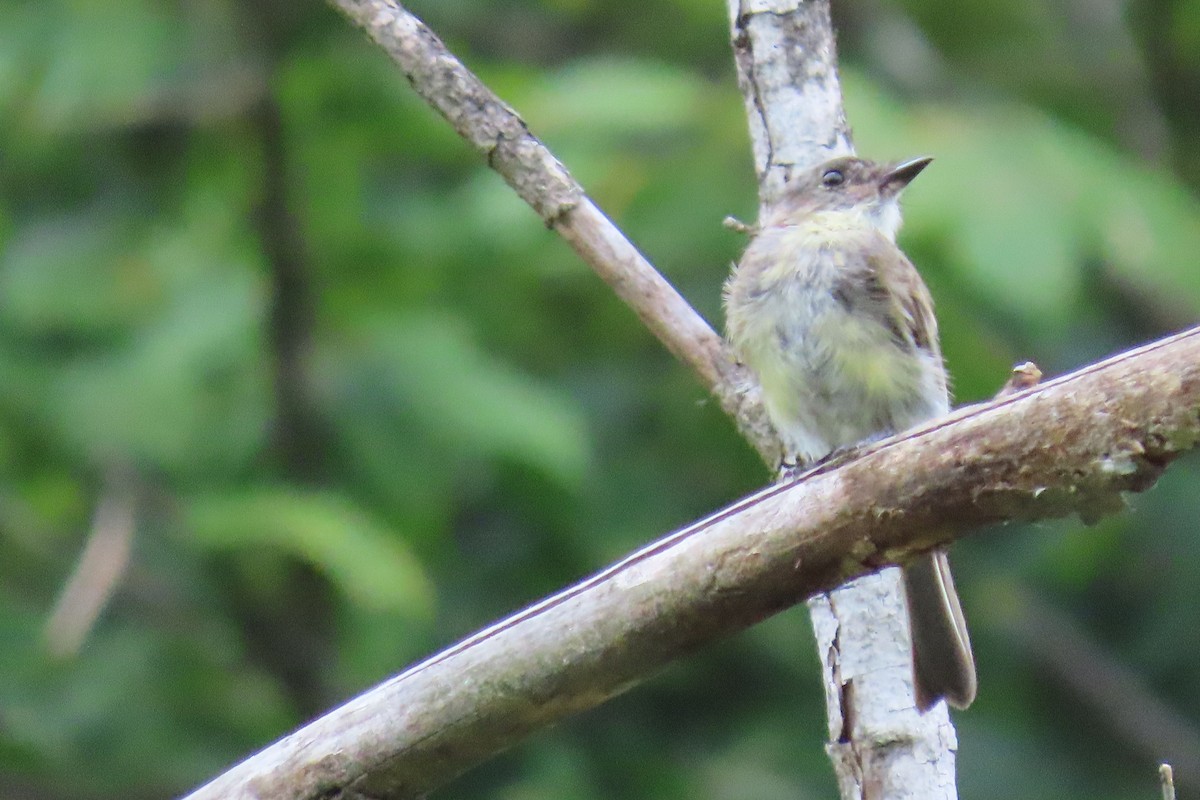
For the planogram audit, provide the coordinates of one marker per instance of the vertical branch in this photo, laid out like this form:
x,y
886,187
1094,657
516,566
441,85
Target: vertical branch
x,y
285,622
282,625
299,435
880,746
787,70
292,308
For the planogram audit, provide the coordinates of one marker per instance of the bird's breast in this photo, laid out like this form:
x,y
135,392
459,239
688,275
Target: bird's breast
x,y
826,354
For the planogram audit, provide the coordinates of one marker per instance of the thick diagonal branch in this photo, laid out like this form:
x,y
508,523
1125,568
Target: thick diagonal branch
x,y
1071,445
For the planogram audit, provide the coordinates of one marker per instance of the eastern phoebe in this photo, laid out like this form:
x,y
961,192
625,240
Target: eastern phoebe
x,y
839,328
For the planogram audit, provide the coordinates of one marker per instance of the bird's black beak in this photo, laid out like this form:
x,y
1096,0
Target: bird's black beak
x,y
900,175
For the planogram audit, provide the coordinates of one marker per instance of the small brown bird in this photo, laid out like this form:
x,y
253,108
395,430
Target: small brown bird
x,y
839,328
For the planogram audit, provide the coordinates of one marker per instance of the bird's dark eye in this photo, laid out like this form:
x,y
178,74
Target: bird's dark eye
x,y
832,178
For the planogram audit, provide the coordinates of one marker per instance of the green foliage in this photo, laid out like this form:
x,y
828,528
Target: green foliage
x,y
361,556
366,403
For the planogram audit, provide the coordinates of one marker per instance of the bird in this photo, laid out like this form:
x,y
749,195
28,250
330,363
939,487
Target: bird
x,y
839,329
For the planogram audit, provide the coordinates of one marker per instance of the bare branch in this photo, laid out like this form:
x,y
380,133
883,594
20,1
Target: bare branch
x,y
1070,445
1167,778
499,134
787,71
880,745
100,569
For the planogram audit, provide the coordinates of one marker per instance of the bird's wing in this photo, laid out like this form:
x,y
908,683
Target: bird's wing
x,y
884,280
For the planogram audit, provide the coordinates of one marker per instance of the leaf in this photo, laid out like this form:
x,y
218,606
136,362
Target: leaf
x,y
1023,203
68,275
105,61
603,97
423,376
360,554
184,393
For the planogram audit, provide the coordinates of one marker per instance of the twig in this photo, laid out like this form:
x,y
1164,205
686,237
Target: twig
x,y
1168,782
1023,376
101,565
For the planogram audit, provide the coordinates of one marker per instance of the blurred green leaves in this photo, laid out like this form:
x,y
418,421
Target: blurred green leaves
x,y
1024,202
606,97
470,418
360,555
104,79
432,380
66,275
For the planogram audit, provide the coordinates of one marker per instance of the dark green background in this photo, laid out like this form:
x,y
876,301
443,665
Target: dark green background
x,y
365,403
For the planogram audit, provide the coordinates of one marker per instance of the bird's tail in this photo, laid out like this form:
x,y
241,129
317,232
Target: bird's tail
x,y
942,662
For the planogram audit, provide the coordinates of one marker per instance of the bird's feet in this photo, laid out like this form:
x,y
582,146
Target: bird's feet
x,y
792,467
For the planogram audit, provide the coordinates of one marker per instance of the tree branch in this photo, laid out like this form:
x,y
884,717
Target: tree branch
x,y
787,72
499,134
101,567
880,745
1070,445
